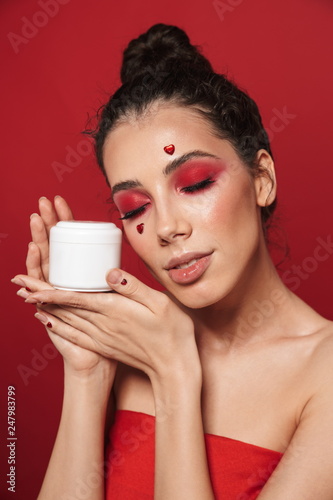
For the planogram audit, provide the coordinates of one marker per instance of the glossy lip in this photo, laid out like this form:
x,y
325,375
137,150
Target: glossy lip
x,y
184,258
191,273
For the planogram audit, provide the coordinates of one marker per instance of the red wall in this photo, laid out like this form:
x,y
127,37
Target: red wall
x,y
54,73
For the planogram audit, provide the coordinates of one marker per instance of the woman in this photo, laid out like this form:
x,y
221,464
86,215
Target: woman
x,y
221,387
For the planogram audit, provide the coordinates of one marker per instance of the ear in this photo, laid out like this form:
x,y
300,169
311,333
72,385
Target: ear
x,y
265,179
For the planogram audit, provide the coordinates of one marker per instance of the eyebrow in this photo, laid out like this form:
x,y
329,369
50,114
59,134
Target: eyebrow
x,y
168,169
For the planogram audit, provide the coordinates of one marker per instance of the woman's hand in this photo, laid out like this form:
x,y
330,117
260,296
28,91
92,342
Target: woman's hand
x,y
138,326
80,360
40,226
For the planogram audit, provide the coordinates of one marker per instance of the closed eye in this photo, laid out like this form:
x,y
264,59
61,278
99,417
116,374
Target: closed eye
x,y
199,186
133,213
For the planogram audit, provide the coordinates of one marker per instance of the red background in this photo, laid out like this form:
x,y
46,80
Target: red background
x,y
280,52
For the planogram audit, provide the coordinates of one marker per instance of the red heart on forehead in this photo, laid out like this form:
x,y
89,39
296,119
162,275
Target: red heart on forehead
x,y
169,149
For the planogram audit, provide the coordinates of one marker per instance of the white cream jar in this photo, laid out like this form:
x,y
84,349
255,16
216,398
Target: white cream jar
x,y
81,253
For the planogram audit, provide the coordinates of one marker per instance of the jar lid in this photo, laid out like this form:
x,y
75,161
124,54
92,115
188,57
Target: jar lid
x,y
73,231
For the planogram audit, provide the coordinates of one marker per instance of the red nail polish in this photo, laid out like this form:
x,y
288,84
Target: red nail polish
x,y
28,289
123,282
49,324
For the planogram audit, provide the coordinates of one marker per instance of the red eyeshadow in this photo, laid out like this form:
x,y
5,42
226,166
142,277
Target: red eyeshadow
x,y
127,201
192,173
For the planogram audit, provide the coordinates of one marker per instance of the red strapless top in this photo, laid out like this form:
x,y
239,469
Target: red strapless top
x,y
238,470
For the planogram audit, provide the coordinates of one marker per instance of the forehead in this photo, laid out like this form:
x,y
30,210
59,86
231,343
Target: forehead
x,y
137,145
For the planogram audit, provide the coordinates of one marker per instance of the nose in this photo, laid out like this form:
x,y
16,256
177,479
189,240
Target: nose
x,y
172,225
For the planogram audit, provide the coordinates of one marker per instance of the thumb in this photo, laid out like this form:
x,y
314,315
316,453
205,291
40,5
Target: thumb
x,y
127,285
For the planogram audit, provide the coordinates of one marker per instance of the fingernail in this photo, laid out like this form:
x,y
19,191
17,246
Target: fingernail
x,y
42,198
22,293
44,319
33,215
57,196
31,300
18,281
115,277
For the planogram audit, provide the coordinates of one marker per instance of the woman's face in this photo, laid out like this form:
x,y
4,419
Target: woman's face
x,y
201,222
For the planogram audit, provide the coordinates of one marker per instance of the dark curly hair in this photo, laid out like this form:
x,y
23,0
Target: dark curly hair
x,y
162,65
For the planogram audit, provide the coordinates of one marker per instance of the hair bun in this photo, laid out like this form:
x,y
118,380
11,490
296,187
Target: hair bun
x,y
162,48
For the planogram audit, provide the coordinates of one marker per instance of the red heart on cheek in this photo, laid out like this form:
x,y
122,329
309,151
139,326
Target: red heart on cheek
x,y
139,228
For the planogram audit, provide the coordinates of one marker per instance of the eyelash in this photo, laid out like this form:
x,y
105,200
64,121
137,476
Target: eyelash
x,y
134,213
188,189
198,186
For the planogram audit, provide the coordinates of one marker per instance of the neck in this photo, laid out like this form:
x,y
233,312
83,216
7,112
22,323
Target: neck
x,y
257,308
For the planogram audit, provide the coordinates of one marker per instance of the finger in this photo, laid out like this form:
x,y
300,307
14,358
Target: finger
x,y
65,331
80,318
31,283
128,286
40,237
62,208
47,213
33,263
96,302
124,283
23,292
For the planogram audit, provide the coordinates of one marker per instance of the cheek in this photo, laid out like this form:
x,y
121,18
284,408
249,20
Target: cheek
x,y
210,207
141,243
230,207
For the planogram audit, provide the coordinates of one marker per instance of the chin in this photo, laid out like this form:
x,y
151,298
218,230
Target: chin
x,y
198,302
197,295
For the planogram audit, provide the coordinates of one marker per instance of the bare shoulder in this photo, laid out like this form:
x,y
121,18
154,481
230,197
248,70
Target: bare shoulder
x,y
323,346
318,377
306,471
317,348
